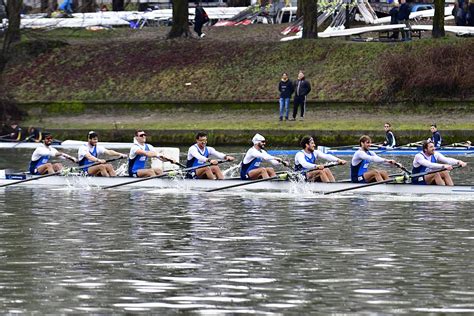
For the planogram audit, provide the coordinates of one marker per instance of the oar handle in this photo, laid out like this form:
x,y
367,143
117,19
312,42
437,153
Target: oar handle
x,y
327,165
421,174
161,175
400,166
174,162
98,163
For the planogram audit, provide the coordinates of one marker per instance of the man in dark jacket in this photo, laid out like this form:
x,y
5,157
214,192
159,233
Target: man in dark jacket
x,y
404,17
302,88
200,18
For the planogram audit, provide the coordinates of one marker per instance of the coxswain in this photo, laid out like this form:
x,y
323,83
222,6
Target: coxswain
x,y
361,160
40,164
390,141
429,159
435,136
139,154
89,153
250,168
305,162
199,154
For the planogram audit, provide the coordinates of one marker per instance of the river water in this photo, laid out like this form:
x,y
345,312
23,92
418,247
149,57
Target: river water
x,y
78,250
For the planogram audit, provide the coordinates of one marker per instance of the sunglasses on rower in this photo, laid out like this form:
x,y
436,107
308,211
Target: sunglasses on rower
x,y
142,135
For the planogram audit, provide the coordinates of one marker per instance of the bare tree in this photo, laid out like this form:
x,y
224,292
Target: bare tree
x,y
438,19
12,33
310,18
180,27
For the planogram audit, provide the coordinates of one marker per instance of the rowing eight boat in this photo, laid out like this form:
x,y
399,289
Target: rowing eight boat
x,y
399,151
77,181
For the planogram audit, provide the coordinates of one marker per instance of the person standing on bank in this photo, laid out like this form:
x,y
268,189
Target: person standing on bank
x,y
435,136
302,88
286,90
200,18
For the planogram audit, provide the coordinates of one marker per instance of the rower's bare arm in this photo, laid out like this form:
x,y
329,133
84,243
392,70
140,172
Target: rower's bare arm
x,y
229,158
114,153
66,156
146,153
462,163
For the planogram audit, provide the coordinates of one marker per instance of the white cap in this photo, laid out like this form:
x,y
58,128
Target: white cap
x,y
257,138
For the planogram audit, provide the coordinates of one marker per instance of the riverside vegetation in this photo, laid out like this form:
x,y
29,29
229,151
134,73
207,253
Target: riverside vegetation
x,y
122,78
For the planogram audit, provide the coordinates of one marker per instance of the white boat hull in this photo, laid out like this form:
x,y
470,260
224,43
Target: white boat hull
x,y
67,144
272,186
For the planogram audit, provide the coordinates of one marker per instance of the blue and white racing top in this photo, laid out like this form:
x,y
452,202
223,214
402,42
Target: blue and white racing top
x,y
95,151
198,157
41,156
360,164
305,161
252,160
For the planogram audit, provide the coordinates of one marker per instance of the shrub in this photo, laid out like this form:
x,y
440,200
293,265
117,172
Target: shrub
x,y
437,71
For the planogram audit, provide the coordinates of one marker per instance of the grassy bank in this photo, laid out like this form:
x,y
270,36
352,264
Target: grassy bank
x,y
233,63
234,123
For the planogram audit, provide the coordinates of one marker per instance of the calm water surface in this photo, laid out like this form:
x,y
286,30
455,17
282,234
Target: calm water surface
x,y
76,250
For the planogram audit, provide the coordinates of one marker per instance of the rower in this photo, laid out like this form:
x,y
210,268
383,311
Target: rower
x,y
361,160
88,154
138,157
250,167
305,162
39,160
435,137
13,132
429,159
34,134
390,140
198,155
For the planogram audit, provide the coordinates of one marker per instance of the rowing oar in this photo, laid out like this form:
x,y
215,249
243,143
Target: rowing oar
x,y
173,162
164,174
395,179
282,176
56,173
466,144
400,166
418,143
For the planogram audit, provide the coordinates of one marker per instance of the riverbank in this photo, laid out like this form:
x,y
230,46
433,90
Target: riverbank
x,y
236,123
232,63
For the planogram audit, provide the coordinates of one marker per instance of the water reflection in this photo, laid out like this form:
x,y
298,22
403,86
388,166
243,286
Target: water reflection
x,y
152,251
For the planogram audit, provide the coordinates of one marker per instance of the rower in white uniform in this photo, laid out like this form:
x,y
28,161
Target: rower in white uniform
x,y
360,172
199,154
305,162
250,167
89,154
139,154
40,164
429,159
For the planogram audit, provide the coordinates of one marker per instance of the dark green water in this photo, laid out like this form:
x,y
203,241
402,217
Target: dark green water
x,y
106,252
